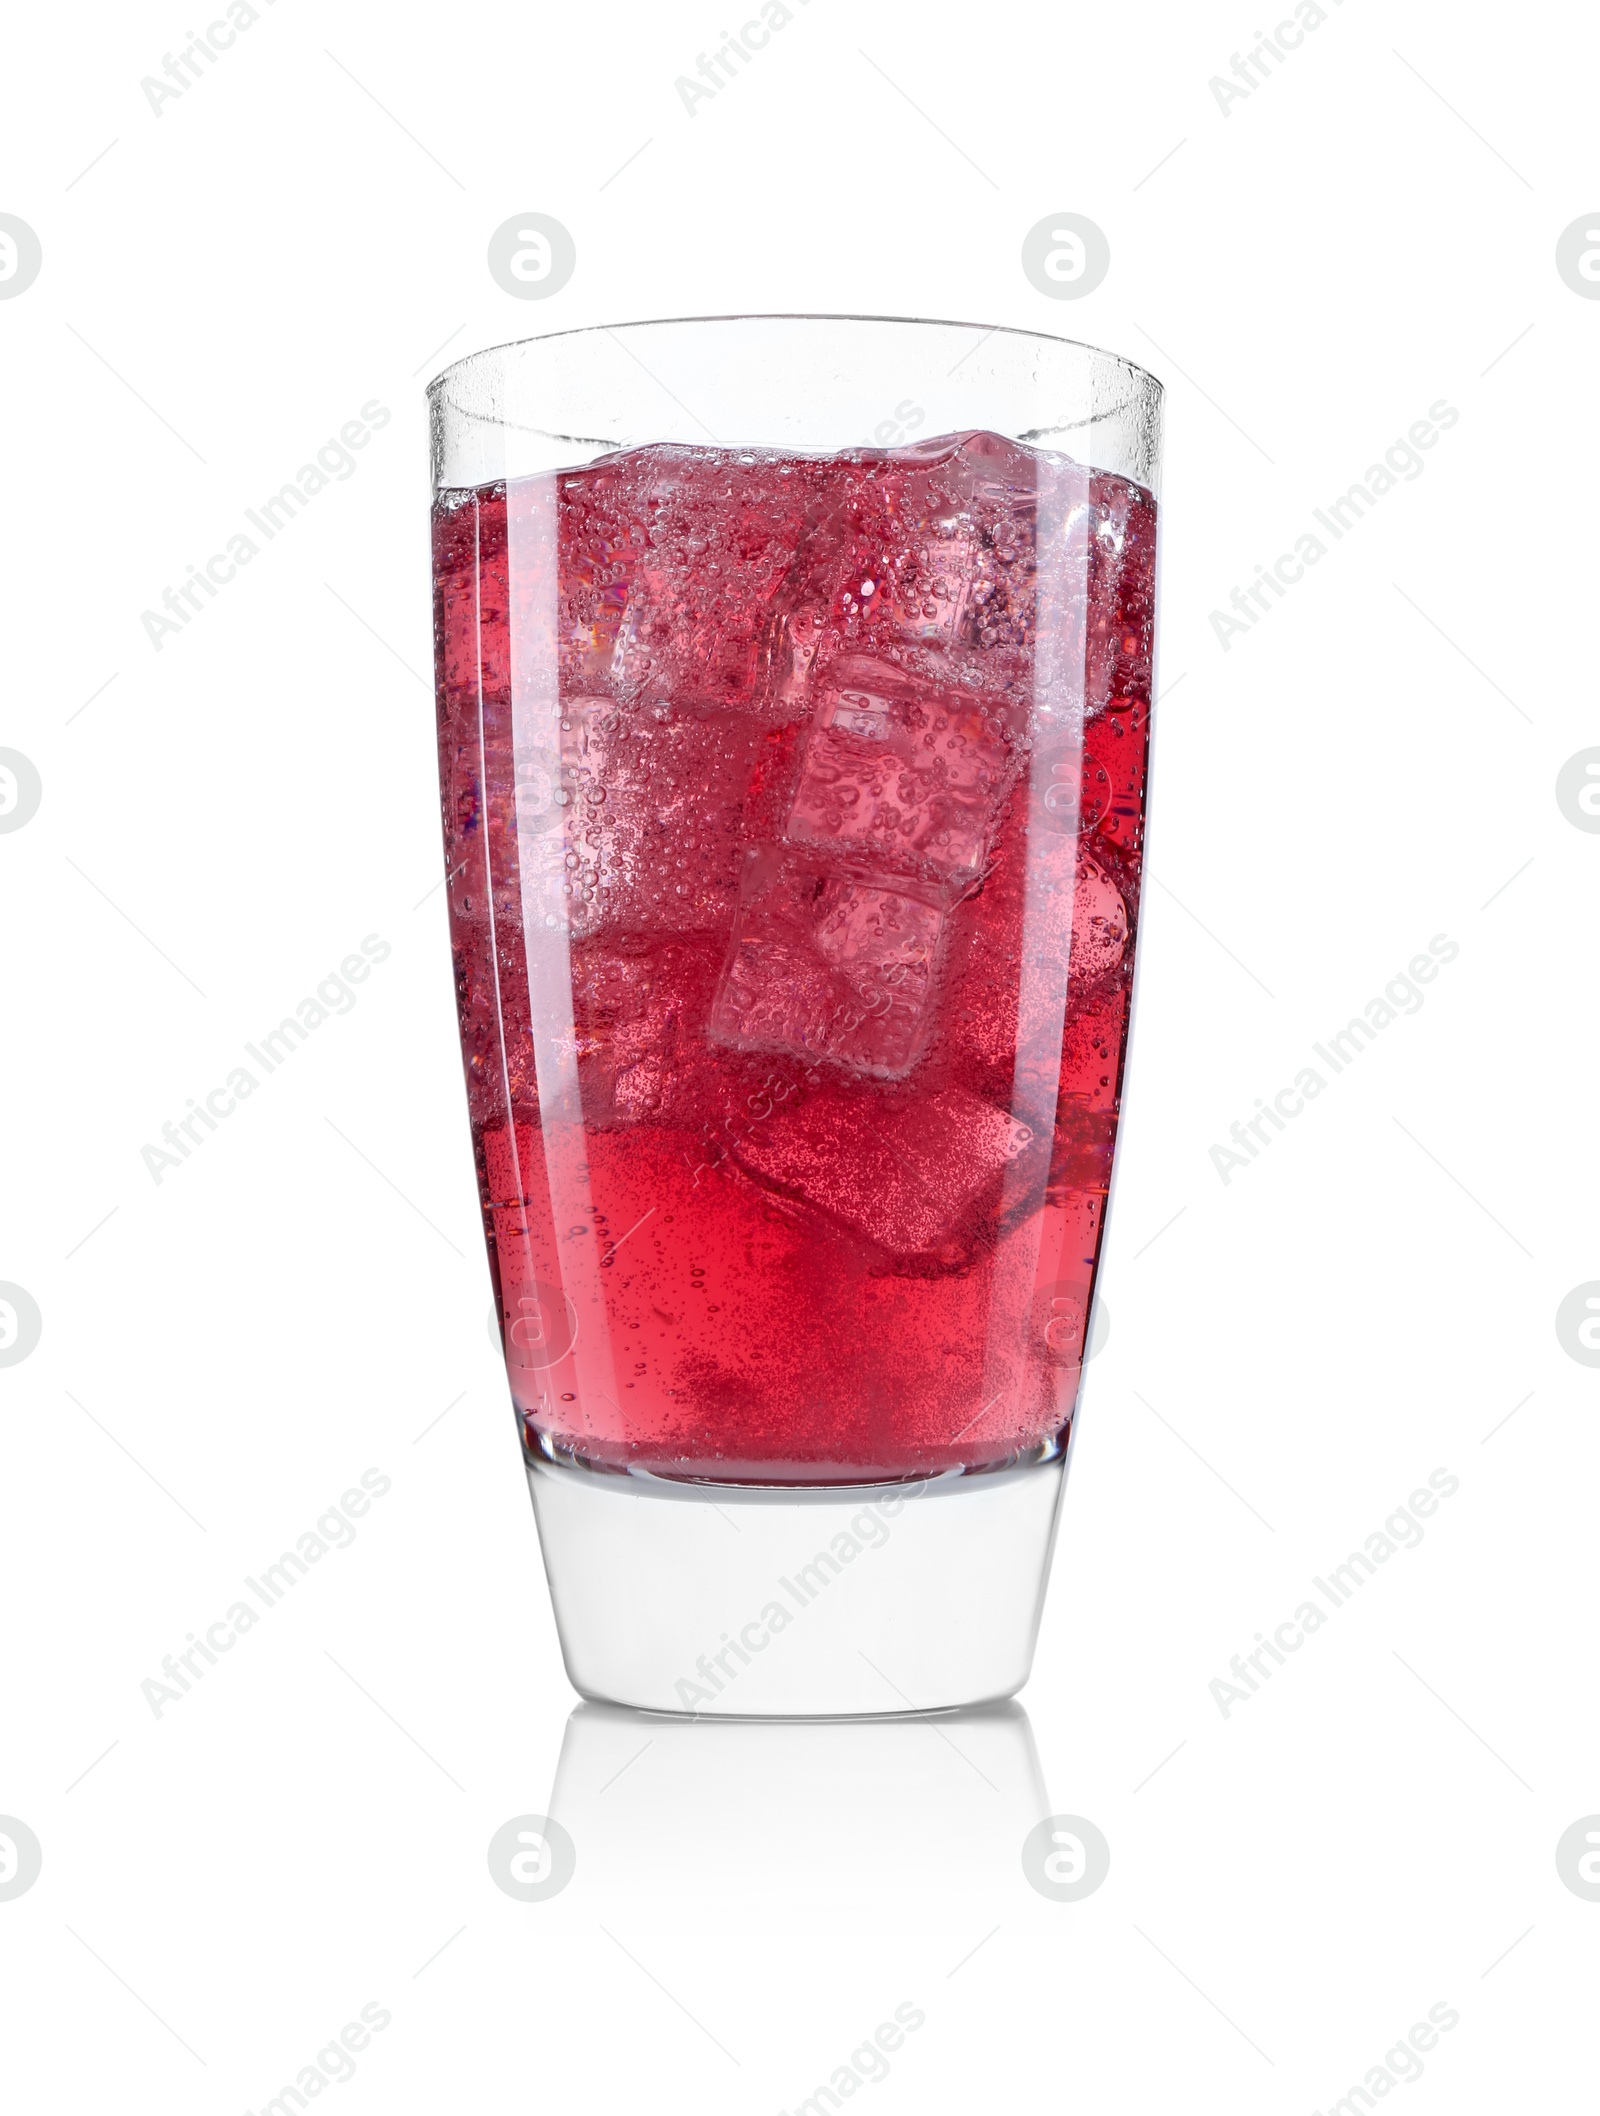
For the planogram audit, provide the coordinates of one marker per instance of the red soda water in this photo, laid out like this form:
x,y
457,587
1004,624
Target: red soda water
x,y
793,813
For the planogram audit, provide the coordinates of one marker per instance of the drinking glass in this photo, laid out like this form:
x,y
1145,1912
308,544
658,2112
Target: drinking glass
x,y
794,680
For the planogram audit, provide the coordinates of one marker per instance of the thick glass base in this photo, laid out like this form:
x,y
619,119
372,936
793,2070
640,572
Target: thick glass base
x,y
767,1601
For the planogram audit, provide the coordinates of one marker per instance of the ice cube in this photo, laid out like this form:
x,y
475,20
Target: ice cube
x,y
1052,940
825,964
1074,946
638,1026
671,564
659,804
895,771
601,546
904,1175
932,548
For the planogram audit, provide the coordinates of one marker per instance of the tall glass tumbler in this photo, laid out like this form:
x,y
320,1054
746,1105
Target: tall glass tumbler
x,y
794,681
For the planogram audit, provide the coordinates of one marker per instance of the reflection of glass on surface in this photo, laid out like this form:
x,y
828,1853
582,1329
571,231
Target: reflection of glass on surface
x,y
909,1817
768,1911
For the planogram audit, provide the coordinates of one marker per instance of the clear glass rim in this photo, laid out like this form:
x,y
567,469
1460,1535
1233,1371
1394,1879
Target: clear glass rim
x,y
945,323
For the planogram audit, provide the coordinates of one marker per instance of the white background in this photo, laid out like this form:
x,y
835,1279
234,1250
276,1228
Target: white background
x,y
1372,1299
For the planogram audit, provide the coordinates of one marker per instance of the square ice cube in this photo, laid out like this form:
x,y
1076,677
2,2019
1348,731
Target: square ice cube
x,y
903,1174
671,564
933,548
899,771
829,965
638,1001
657,805
925,595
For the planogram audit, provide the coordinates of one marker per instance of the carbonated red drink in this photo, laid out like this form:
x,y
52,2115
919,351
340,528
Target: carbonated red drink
x,y
793,814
